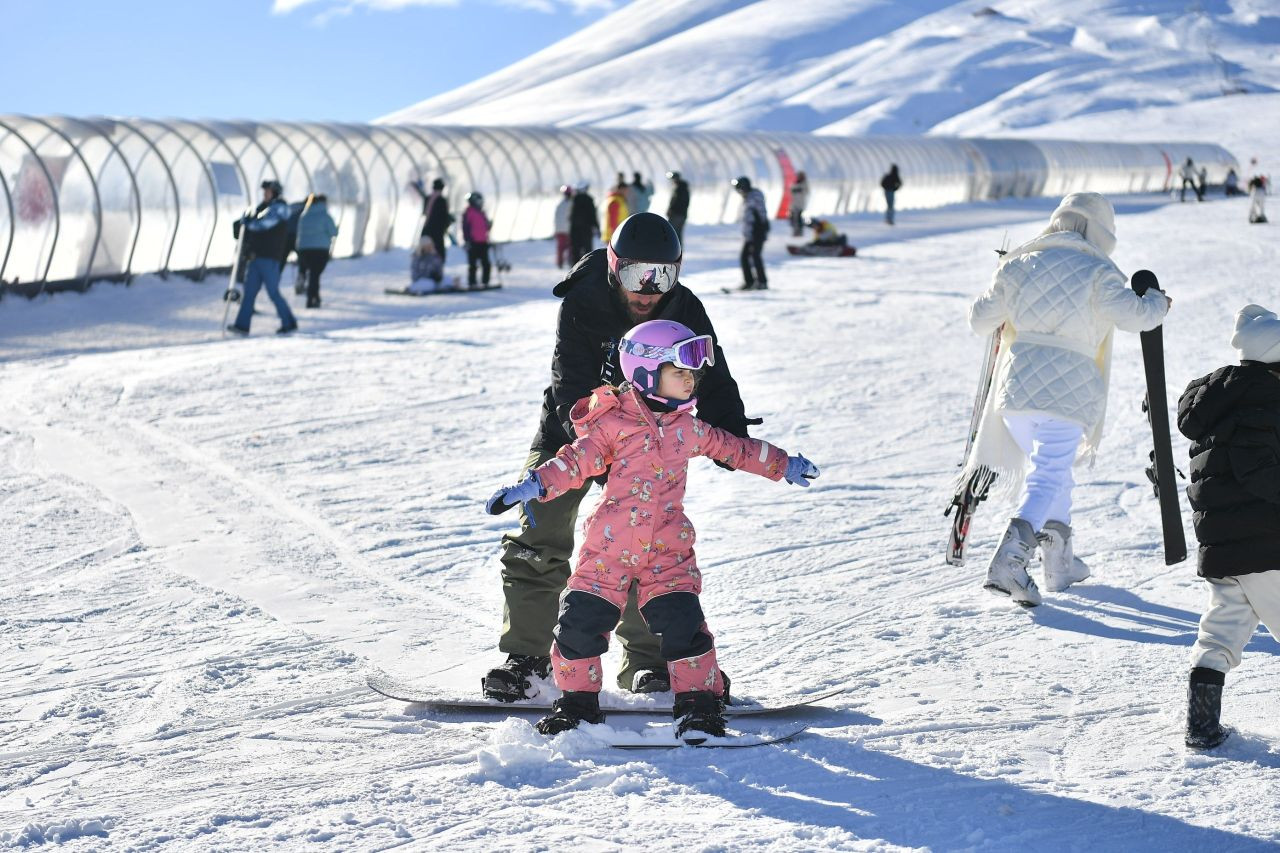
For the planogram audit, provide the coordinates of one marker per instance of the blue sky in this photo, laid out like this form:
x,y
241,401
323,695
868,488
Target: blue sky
x,y
344,60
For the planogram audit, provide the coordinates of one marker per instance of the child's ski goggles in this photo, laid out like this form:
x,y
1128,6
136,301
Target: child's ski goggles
x,y
647,276
689,354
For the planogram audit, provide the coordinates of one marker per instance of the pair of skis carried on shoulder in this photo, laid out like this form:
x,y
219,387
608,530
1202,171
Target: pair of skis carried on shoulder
x,y
974,489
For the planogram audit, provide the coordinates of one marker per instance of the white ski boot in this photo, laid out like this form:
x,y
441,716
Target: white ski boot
x,y
1007,574
1062,567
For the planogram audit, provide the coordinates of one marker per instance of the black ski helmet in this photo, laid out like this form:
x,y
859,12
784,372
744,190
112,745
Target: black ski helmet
x,y
673,175
475,199
437,184
273,185
643,237
741,183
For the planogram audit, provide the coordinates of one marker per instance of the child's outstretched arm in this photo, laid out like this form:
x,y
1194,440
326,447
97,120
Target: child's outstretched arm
x,y
756,456
572,466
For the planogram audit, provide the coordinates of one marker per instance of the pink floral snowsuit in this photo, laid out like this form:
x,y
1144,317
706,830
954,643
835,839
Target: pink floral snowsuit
x,y
639,532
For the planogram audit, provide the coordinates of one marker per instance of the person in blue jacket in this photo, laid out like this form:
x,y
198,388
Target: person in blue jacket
x,y
316,230
265,243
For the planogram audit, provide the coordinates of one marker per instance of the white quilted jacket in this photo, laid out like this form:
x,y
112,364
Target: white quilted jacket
x,y
1062,296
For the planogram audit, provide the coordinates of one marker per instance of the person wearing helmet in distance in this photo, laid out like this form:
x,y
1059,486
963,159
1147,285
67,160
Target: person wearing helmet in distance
x,y
634,279
638,537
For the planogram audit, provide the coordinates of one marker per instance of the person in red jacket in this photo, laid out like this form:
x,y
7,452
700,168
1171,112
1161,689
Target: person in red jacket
x,y
643,434
475,236
615,208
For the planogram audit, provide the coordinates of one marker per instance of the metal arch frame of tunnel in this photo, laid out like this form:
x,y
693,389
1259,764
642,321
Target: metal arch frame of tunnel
x,y
174,197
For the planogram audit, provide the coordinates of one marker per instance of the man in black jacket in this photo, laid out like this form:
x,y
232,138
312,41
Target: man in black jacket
x,y
436,217
1232,417
584,223
265,244
678,207
599,307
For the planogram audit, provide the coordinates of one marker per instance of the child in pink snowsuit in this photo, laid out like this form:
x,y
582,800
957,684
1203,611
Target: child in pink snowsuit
x,y
643,435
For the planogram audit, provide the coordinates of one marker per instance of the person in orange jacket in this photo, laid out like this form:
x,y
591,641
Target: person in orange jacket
x,y
615,208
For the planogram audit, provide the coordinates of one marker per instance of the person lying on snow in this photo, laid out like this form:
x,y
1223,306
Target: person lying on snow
x,y
643,434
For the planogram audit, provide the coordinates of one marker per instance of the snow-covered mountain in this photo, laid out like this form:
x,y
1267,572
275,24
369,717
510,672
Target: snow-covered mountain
x,y
876,67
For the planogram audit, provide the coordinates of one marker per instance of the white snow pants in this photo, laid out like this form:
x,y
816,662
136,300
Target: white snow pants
x,y
1051,444
1236,606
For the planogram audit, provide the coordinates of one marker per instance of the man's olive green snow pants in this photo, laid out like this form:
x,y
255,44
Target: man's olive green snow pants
x,y
536,564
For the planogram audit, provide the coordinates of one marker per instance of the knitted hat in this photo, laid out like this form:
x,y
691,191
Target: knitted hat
x,y
1098,215
1257,336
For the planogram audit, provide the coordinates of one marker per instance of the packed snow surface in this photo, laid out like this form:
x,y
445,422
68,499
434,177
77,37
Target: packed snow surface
x,y
861,67
209,543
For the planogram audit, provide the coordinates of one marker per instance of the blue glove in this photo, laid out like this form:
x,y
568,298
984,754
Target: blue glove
x,y
525,492
800,471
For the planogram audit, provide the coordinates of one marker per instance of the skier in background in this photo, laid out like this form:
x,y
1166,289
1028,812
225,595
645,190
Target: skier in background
x,y
562,225
1231,186
754,219
584,223
316,230
1059,298
435,213
1257,199
799,201
1189,175
678,206
475,236
265,242
639,192
615,208
606,293
825,233
661,361
1232,417
891,182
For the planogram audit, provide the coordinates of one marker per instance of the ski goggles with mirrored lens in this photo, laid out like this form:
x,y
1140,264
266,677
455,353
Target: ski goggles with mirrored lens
x,y
689,354
647,276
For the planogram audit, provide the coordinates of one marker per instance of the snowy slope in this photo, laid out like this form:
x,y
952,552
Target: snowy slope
x,y
872,66
208,543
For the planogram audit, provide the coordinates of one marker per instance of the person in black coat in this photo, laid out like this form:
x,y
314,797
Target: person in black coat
x,y
584,223
1232,417
436,217
890,182
596,312
678,206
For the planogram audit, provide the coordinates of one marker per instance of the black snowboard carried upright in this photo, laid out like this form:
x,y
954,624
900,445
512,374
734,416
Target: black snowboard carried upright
x,y
1161,472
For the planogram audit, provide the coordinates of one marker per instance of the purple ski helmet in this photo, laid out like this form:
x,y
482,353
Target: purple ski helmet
x,y
643,350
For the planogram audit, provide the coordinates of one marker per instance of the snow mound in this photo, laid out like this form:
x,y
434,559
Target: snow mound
x,y
866,67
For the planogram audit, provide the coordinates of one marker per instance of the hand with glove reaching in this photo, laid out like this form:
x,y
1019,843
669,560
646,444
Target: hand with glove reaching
x,y
800,471
525,492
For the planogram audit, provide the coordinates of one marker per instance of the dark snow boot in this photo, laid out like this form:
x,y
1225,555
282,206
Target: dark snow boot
x,y
510,682
571,710
698,714
1204,707
651,681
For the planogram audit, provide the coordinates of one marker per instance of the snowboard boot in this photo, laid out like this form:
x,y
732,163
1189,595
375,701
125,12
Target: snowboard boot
x,y
1204,707
1062,567
571,710
651,681
698,714
510,682
1007,574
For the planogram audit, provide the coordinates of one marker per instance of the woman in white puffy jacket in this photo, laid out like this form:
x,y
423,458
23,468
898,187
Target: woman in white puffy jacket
x,y
1058,298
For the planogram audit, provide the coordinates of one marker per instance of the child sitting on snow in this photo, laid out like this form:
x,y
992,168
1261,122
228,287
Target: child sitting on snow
x,y
1232,417
643,435
425,267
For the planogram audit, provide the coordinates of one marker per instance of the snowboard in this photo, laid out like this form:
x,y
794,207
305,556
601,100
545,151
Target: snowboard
x,y
1157,407
973,490
391,291
732,740
818,251
394,688
233,294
